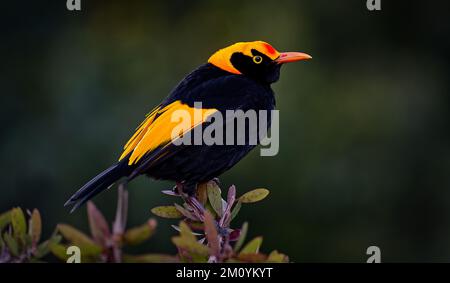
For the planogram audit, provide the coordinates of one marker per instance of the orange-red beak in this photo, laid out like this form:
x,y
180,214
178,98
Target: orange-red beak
x,y
287,57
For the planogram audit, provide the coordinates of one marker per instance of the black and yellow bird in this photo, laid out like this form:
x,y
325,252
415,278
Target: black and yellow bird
x,y
237,77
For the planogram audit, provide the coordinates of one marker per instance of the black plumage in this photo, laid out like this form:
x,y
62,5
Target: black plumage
x,y
217,88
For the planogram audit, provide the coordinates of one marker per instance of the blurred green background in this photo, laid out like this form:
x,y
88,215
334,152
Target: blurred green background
x,y
364,141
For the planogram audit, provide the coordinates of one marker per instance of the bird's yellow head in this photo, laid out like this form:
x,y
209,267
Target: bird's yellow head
x,y
252,58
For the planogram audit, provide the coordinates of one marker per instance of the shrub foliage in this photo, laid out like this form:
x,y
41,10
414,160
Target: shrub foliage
x,y
204,232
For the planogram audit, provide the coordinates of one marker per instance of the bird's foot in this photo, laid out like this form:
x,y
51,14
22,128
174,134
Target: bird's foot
x,y
188,195
178,188
185,189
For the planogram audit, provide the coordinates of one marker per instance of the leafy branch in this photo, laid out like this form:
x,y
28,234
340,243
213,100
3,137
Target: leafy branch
x,y
205,233
209,216
106,244
19,241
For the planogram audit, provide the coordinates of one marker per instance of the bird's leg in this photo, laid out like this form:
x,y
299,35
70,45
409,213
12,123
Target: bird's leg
x,y
187,192
178,188
190,189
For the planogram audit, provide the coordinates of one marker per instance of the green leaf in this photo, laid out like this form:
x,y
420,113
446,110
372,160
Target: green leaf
x,y
168,211
60,251
277,257
87,246
192,247
12,244
44,248
252,247
254,196
235,210
242,236
186,232
5,219
74,236
19,225
214,196
196,251
149,258
90,250
97,222
185,212
35,227
137,235
188,242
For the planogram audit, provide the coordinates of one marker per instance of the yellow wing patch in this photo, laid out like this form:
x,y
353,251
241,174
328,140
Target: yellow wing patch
x,y
156,130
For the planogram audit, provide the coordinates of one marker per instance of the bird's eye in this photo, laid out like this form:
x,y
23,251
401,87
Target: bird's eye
x,y
257,59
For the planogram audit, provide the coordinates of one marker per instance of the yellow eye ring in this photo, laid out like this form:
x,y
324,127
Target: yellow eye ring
x,y
257,59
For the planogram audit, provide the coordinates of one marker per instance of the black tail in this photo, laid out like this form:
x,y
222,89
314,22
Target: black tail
x,y
98,184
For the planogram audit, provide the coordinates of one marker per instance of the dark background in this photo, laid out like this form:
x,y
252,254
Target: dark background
x,y
364,141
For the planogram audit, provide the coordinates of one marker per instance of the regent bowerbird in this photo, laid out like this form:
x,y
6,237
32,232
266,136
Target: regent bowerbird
x,y
237,77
